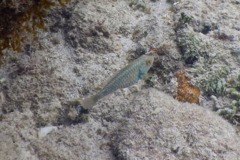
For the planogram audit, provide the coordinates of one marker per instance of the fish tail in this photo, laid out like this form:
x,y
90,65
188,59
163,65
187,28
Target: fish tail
x,y
89,102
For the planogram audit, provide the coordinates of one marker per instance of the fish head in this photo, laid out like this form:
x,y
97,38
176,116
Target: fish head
x,y
149,61
145,66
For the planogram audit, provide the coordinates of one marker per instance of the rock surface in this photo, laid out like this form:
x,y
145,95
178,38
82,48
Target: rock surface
x,y
86,42
151,125
159,127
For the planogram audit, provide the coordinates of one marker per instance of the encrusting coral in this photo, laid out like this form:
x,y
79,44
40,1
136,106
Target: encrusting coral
x,y
186,92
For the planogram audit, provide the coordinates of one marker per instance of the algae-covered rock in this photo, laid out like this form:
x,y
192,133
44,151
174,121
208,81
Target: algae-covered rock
x,y
162,128
84,43
149,125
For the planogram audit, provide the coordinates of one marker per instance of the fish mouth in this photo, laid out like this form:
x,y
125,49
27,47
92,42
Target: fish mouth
x,y
149,60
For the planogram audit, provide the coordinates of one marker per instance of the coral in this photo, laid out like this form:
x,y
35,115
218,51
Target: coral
x,y
182,21
184,18
213,82
20,20
189,46
186,92
232,110
233,88
167,60
234,92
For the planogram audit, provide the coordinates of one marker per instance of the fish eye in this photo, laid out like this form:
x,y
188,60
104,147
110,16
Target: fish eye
x,y
148,62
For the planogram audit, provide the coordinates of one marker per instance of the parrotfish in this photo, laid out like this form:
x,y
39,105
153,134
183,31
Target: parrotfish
x,y
126,77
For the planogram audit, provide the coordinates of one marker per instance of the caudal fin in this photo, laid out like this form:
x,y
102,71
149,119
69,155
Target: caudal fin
x,y
89,102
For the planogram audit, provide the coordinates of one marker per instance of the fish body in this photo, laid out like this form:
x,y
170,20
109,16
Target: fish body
x,y
126,77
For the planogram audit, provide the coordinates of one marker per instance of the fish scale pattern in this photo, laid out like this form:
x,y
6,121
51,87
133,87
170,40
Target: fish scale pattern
x,y
128,76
